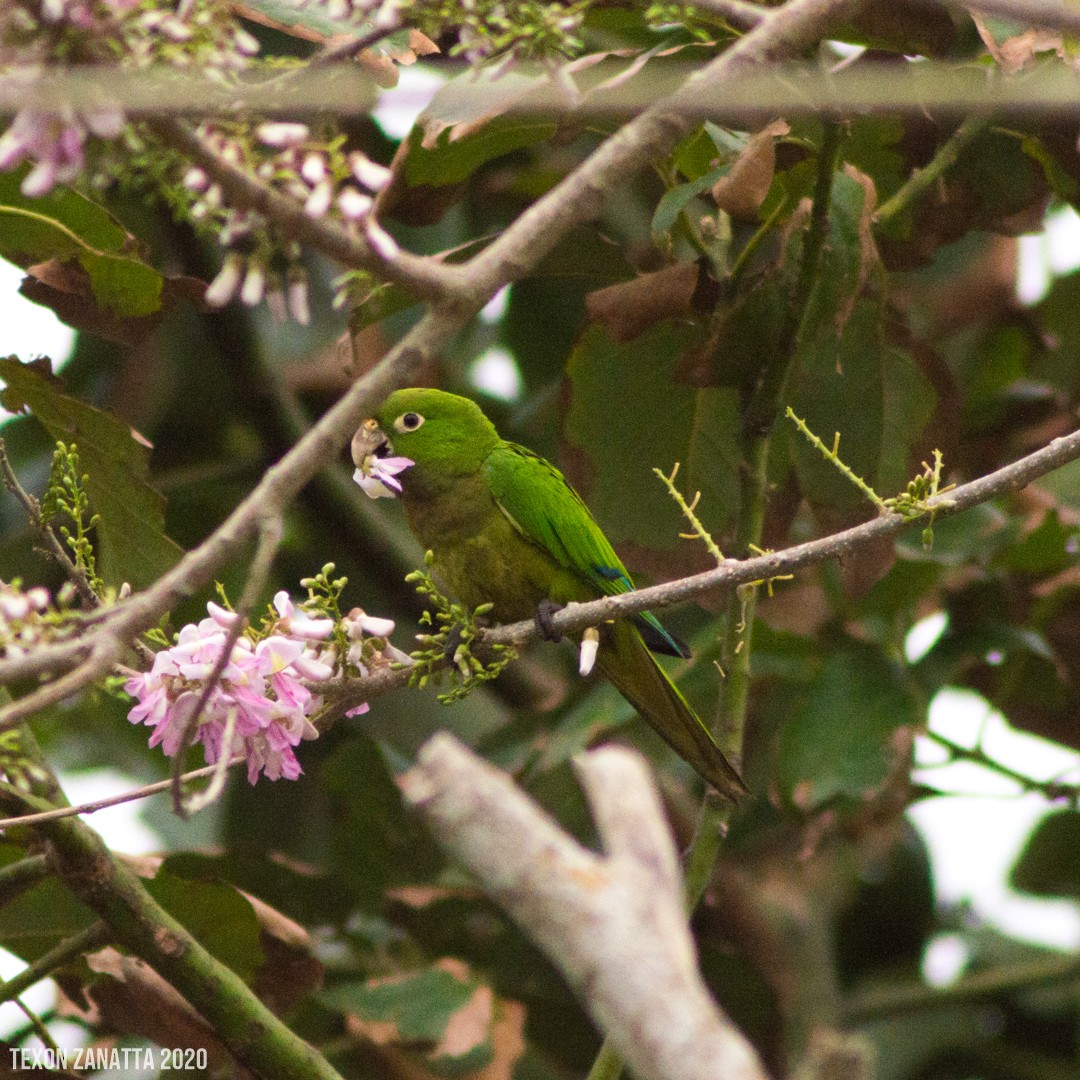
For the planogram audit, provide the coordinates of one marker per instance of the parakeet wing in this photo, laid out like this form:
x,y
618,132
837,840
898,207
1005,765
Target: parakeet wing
x,y
546,510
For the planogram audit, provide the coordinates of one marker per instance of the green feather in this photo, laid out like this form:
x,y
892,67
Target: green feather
x,y
506,528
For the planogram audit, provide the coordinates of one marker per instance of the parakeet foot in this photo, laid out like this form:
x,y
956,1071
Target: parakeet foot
x,y
453,643
544,611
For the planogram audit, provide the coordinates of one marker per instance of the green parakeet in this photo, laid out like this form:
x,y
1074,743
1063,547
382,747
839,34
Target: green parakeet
x,y
506,528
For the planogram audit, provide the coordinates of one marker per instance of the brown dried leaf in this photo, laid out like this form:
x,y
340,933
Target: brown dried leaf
x,y
508,1042
1015,53
629,308
65,288
133,999
743,188
422,896
469,1026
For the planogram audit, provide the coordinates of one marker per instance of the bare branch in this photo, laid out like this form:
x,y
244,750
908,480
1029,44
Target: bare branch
x,y
734,572
614,925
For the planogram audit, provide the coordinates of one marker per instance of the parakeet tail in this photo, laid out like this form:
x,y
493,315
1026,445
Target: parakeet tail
x,y
625,660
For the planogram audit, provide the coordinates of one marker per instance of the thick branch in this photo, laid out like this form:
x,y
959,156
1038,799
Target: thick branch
x,y
614,925
137,922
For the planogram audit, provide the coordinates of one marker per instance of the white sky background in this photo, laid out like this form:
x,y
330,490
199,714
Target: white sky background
x,y
973,836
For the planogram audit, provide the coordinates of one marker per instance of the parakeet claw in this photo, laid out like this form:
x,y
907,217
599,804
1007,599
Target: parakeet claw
x,y
544,611
590,643
453,643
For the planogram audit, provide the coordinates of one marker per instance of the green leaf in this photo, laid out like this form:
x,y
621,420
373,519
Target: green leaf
x,y
449,161
1047,865
873,395
1044,550
132,545
839,744
64,225
629,413
40,918
378,843
674,201
420,1007
848,260
310,21
216,915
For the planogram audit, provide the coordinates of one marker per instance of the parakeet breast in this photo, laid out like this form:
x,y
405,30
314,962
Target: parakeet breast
x,y
480,557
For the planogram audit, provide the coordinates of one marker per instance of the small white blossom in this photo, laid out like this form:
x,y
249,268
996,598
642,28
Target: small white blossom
x,y
223,288
590,643
254,286
282,135
368,173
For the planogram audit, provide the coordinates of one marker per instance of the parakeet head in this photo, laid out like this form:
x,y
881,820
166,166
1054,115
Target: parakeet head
x,y
441,435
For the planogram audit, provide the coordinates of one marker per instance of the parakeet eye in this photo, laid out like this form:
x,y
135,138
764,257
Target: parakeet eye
x,y
409,421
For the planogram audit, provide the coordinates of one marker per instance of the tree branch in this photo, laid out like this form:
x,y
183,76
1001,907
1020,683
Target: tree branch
x,y
613,924
254,1036
15,879
1009,478
93,937
429,279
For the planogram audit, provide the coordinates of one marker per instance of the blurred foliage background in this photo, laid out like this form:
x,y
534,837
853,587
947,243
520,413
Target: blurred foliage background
x,y
637,343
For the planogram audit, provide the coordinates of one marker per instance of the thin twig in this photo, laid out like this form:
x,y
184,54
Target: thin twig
x,y
922,180
94,936
351,47
113,800
1049,789
891,1001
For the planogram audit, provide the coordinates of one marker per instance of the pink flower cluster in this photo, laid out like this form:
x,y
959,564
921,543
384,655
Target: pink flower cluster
x,y
55,142
261,704
199,34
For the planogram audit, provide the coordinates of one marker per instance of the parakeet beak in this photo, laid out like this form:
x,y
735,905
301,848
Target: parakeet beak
x,y
369,439
376,467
